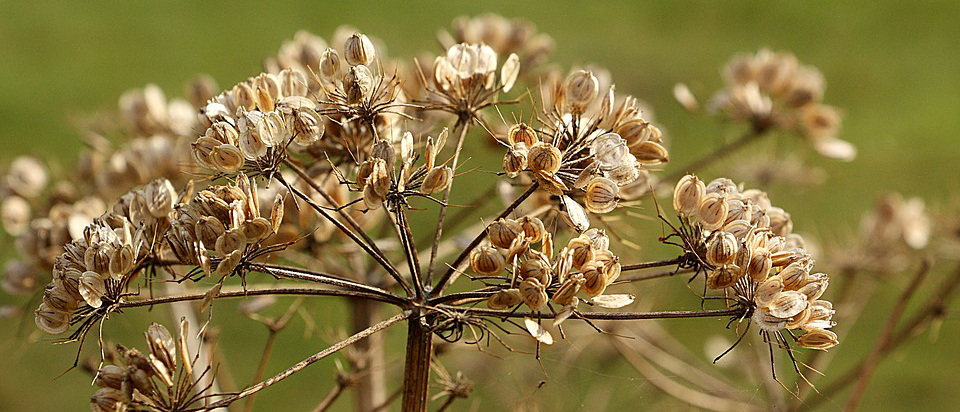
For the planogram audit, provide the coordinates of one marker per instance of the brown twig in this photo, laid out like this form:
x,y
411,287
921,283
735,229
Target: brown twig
x,y
653,275
309,361
241,294
653,264
736,312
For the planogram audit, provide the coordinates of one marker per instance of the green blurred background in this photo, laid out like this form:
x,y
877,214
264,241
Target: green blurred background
x,y
892,67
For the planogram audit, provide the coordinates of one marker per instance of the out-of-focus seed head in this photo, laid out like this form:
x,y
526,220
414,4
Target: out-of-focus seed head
x,y
358,49
15,215
509,72
27,176
19,278
107,400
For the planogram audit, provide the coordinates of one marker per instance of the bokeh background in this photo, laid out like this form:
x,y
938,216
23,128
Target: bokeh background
x,y
892,68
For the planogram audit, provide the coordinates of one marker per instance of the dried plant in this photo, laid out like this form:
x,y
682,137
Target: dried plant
x,y
327,170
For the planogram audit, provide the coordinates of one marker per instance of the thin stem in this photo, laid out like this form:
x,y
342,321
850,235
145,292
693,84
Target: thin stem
x,y
654,264
241,294
443,206
750,136
303,274
604,315
262,367
309,361
402,228
447,403
647,276
870,365
327,402
476,241
381,260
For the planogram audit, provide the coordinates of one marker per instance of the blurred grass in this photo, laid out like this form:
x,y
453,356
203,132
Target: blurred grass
x,y
892,67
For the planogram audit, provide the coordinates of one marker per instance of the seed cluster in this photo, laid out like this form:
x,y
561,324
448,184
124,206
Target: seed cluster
x,y
747,247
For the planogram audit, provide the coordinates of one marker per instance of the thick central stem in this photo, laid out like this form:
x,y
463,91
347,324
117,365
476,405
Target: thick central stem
x,y
416,373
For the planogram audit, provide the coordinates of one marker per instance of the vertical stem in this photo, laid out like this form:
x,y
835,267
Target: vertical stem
x,y
416,373
371,387
443,207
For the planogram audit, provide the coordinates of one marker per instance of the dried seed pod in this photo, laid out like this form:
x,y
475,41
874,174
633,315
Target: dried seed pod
x,y
794,276
650,152
635,132
358,49
768,291
544,157
551,183
536,268
547,246
818,339
519,247
509,72
161,345
122,261
371,198
609,151
228,158
722,248
601,195
436,180
788,304
724,277
51,320
595,282
574,214
533,228
580,89
521,133
760,264
292,83
567,293
766,321
504,299
815,288
244,96
107,400
581,249
515,160
228,264
564,264
329,65
92,288
257,229
780,223
230,241
799,319
379,179
533,293
267,91
307,127
486,261
598,239
58,299
688,195
358,82
276,213
110,376
712,211
503,232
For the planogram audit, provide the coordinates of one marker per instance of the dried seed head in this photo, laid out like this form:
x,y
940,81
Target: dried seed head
x,y
581,89
601,195
818,339
436,180
712,211
788,304
503,232
521,133
688,195
358,49
486,261
533,293
722,248
504,299
533,228
724,277
544,157
358,83
27,176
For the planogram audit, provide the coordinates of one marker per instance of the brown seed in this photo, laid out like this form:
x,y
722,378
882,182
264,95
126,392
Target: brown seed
x,y
760,264
581,250
504,299
533,293
722,248
533,228
650,152
567,292
601,195
521,133
818,339
486,261
503,232
536,268
594,280
544,157
724,277
794,276
436,180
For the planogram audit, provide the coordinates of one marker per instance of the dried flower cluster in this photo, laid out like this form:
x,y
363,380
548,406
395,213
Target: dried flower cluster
x,y
330,161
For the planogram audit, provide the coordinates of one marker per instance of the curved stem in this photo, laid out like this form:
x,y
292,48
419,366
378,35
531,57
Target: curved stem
x,y
303,274
309,361
240,294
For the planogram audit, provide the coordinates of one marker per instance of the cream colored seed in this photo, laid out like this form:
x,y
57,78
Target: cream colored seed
x,y
688,195
601,195
768,291
358,49
760,264
515,160
594,280
581,89
722,248
533,293
788,304
724,277
567,292
581,250
436,180
521,133
818,339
